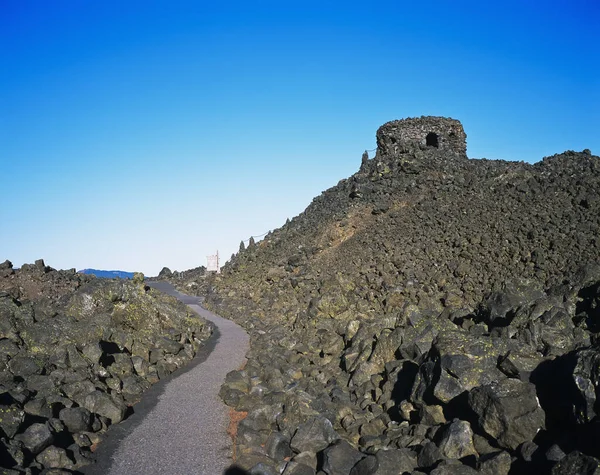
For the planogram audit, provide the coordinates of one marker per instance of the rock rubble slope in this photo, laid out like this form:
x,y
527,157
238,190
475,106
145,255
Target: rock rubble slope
x,y
430,314
76,354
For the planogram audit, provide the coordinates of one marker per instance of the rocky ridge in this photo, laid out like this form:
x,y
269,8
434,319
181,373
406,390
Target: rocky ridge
x,y
76,353
430,314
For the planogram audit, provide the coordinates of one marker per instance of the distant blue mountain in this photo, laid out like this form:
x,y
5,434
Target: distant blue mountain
x,y
108,274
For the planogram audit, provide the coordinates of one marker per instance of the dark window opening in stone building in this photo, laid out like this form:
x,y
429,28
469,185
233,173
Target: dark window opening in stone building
x,y
432,140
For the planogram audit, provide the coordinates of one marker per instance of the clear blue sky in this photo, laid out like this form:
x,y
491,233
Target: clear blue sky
x,y
141,134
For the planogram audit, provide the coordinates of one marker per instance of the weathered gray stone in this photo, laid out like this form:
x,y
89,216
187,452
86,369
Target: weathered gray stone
x,y
75,360
237,380
78,390
295,468
134,385
508,411
122,365
430,454
92,352
278,446
367,466
38,407
495,464
432,414
8,347
168,345
140,365
307,458
339,458
104,405
456,440
54,457
82,440
395,460
11,418
555,453
527,450
36,437
25,366
314,435
77,419
41,384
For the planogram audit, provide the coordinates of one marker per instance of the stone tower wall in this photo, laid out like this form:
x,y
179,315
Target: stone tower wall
x,y
406,135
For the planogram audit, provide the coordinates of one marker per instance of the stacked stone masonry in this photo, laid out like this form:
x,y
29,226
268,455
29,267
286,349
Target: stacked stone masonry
x,y
406,135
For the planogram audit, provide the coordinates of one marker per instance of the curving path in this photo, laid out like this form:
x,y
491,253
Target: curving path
x,y
180,425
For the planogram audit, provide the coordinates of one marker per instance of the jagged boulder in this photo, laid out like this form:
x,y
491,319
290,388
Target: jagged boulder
x,y
36,437
314,435
339,458
76,419
455,440
508,411
11,418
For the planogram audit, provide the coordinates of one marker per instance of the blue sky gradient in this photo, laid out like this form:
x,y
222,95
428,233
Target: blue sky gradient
x,y
141,134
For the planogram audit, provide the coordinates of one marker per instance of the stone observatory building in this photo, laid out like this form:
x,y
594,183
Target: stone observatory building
x,y
424,133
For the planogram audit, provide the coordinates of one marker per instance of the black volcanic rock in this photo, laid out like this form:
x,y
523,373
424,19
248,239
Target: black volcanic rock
x,y
340,457
508,411
76,419
426,297
36,437
75,357
314,435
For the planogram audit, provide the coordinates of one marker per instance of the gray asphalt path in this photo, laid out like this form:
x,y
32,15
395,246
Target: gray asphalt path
x,y
179,427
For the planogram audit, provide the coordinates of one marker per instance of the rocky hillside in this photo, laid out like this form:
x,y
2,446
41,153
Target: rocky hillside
x,y
424,225
431,312
76,353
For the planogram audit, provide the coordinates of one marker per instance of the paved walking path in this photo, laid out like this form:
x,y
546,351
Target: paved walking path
x,y
180,425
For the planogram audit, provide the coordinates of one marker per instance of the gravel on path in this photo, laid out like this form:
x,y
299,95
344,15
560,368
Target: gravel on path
x,y
180,425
